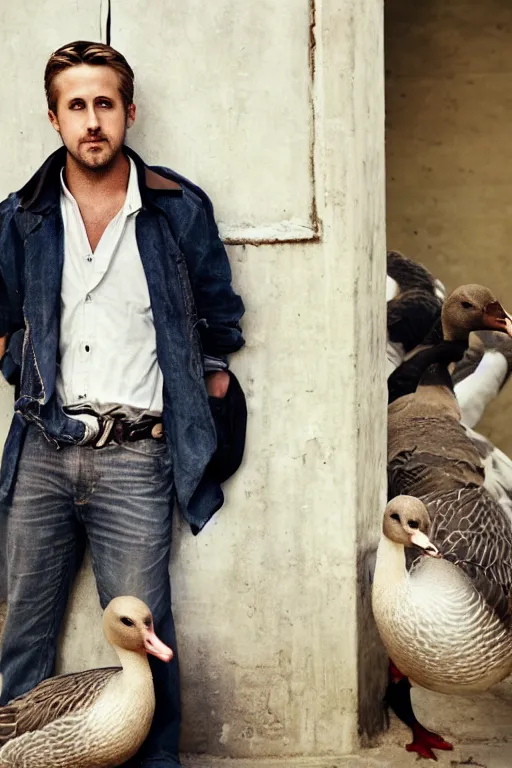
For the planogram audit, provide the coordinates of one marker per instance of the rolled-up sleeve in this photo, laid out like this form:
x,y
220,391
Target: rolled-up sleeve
x,y
5,308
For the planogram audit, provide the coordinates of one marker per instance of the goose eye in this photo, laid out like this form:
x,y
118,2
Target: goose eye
x,y
466,304
147,621
413,524
394,516
127,622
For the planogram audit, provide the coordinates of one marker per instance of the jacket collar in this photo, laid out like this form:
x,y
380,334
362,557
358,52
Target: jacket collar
x,y
42,192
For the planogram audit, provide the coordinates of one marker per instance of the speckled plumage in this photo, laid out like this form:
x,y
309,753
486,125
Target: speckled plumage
x,y
105,727
447,624
93,719
437,627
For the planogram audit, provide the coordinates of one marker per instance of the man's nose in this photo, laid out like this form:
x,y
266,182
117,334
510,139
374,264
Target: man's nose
x,y
92,120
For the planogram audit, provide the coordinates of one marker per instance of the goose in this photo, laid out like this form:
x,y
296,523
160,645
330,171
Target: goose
x,y
414,300
432,457
93,719
468,308
441,628
474,385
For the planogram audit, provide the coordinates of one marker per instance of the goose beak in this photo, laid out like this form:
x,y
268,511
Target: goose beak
x,y
155,647
496,319
423,542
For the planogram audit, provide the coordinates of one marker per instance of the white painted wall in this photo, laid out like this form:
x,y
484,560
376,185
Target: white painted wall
x,y
278,649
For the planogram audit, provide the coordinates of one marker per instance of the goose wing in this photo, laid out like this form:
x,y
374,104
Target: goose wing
x,y
51,700
469,526
497,470
473,532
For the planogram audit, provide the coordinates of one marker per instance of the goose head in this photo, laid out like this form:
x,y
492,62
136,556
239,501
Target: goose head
x,y
473,308
128,625
407,522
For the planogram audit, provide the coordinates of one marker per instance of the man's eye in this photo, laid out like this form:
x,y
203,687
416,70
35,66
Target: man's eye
x,y
104,103
77,105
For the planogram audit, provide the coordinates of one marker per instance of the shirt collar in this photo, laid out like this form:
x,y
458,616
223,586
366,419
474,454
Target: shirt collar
x,y
133,202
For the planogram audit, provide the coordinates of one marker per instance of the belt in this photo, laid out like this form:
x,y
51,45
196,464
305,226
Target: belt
x,y
118,429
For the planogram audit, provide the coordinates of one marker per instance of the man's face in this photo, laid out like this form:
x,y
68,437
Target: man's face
x,y
90,115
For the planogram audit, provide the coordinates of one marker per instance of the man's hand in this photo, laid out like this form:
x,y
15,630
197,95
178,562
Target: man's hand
x,y
3,344
217,383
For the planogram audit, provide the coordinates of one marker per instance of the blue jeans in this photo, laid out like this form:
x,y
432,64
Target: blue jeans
x,y
120,497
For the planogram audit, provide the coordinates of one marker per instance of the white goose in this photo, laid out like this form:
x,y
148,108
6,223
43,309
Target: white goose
x,y
444,628
436,624
432,457
93,719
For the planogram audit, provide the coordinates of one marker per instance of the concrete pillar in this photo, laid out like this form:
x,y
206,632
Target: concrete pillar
x,y
277,109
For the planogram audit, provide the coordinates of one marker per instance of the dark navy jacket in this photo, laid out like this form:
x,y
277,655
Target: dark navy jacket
x,y
194,307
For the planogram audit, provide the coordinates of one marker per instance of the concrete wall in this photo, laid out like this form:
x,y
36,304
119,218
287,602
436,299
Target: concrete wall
x,y
449,193
277,109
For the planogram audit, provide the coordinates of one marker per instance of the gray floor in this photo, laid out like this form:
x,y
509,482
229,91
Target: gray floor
x,y
476,755
467,730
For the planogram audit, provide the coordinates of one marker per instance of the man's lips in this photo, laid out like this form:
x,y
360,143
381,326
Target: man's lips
x,y
92,141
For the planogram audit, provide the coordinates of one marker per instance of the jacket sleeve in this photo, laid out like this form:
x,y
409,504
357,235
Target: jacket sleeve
x,y
5,308
11,302
219,308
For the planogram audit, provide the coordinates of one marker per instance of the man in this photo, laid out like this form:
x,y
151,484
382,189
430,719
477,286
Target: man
x,y
115,298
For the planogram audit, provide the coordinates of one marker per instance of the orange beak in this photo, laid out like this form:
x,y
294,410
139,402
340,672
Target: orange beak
x,y
496,319
155,647
423,542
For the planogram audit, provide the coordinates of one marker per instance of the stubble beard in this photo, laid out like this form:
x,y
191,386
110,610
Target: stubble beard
x,y
100,159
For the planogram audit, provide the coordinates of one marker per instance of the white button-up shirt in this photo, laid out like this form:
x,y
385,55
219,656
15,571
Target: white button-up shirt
x,y
107,336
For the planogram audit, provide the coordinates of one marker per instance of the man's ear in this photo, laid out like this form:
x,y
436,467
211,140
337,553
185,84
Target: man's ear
x,y
130,115
52,117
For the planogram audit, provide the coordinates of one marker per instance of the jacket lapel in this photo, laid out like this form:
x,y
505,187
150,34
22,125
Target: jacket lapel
x,y
44,251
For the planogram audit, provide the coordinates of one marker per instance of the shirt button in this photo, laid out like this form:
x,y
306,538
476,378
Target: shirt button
x,y
89,258
87,348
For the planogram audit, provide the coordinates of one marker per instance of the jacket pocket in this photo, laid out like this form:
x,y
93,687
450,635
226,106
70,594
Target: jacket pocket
x,y
11,361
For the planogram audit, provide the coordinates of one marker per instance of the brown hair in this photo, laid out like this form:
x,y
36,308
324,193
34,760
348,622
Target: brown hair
x,y
84,52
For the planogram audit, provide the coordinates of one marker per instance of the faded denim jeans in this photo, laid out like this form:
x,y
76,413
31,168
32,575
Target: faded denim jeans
x,y
120,497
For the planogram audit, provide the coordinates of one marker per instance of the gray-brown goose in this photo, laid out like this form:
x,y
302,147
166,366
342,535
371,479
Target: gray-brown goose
x,y
468,308
474,386
432,458
438,627
414,300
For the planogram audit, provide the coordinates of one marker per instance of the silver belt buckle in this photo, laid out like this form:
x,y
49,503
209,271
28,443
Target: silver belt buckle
x,y
106,427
